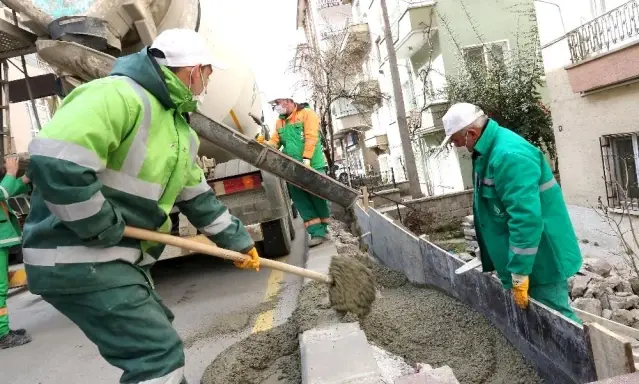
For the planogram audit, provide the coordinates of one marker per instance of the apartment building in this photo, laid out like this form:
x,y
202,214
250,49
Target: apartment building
x,y
430,38
23,123
590,50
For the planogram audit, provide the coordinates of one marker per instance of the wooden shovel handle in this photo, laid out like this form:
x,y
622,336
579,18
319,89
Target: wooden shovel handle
x,y
143,234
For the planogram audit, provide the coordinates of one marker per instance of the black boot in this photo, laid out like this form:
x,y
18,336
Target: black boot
x,y
20,331
14,339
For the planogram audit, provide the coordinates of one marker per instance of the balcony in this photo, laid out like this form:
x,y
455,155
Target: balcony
x,y
430,119
347,118
378,142
321,4
414,28
357,40
604,51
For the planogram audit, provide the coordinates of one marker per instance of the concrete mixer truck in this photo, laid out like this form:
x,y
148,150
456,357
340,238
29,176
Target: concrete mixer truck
x,y
79,41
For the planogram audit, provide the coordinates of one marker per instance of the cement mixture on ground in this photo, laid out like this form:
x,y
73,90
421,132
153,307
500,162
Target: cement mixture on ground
x,y
422,325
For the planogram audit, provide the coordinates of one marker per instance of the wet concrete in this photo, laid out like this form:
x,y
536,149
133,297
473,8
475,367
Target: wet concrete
x,y
420,324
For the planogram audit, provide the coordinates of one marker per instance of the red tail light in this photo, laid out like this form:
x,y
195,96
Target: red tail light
x,y
236,184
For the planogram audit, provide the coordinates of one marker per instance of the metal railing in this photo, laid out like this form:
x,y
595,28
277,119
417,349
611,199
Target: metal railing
x,y
321,4
343,107
604,32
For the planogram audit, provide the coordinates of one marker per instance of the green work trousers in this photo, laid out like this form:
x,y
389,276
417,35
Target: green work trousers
x,y
131,328
4,291
315,211
555,296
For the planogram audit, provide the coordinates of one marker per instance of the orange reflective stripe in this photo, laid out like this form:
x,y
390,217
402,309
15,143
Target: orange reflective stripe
x,y
325,221
4,311
312,222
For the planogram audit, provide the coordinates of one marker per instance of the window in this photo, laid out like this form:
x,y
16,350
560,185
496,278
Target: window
x,y
486,54
619,156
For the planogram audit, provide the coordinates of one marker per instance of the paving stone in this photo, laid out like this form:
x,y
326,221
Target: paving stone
x,y
324,351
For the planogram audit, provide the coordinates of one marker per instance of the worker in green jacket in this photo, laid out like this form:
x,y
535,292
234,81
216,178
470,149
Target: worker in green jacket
x,y
521,220
118,152
297,132
11,185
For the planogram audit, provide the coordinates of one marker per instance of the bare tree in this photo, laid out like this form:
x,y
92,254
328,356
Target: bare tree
x,y
616,212
332,72
402,121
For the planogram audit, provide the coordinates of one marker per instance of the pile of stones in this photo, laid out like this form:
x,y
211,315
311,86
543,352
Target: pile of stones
x,y
605,291
468,226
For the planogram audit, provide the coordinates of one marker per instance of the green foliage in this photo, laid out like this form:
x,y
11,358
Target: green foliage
x,y
508,92
507,87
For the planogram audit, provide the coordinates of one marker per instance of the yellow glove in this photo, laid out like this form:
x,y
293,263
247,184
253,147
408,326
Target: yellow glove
x,y
307,162
260,139
252,263
520,290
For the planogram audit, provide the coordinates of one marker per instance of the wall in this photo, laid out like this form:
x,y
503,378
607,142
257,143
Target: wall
x,y
446,209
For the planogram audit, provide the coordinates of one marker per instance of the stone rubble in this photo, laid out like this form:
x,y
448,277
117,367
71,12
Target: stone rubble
x,y
598,288
468,226
602,290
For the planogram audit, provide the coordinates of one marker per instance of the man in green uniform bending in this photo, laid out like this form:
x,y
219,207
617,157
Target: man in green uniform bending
x,y
522,223
297,131
120,152
10,186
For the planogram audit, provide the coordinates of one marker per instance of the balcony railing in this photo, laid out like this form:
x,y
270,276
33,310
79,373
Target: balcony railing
x,y
605,32
321,4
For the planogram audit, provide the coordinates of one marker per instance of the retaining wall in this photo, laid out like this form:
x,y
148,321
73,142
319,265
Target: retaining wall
x,y
446,209
557,347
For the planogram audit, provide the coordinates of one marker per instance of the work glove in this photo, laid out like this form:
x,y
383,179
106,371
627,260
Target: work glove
x,y
260,139
307,162
252,263
520,290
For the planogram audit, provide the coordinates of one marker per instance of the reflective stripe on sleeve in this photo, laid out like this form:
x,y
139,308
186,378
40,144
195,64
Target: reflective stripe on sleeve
x,y
189,193
488,181
524,251
218,225
63,150
77,211
547,185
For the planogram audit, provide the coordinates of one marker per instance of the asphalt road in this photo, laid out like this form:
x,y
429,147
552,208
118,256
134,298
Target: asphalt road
x,y
200,290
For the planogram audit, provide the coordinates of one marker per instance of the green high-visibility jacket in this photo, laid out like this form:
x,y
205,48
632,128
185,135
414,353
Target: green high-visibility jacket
x,y
118,151
299,135
9,226
521,218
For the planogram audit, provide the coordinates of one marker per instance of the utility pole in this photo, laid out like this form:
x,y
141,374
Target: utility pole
x,y
402,123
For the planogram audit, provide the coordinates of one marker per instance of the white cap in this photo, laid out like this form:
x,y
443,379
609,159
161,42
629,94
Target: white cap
x,y
458,117
184,48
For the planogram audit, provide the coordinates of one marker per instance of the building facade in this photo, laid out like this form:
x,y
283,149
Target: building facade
x,y
430,38
589,50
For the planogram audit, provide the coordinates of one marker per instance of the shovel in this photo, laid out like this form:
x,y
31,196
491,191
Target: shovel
x,y
143,234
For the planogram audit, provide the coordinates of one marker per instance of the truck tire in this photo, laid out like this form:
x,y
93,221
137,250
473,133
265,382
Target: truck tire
x,y
277,238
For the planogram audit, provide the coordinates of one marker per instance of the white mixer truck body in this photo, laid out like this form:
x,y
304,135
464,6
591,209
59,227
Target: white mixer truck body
x,y
80,40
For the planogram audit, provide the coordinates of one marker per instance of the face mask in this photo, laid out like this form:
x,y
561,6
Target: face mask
x,y
198,98
280,110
